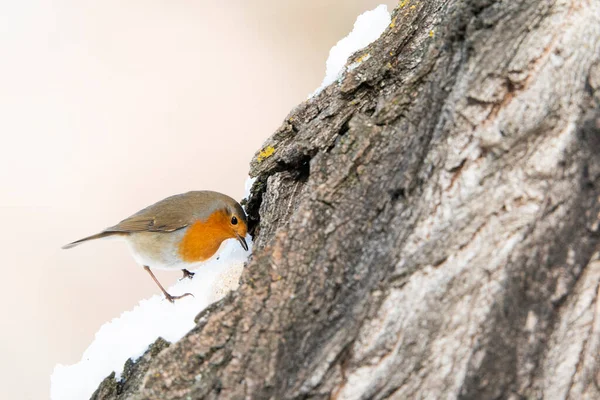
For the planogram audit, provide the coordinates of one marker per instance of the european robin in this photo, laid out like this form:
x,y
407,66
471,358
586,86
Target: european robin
x,y
179,232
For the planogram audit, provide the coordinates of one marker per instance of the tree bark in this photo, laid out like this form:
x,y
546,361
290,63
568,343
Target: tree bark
x,y
428,227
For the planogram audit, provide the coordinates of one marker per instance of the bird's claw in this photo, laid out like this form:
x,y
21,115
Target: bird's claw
x,y
187,274
173,298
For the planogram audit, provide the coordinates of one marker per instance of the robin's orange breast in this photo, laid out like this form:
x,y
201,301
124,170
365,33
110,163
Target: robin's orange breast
x,y
203,238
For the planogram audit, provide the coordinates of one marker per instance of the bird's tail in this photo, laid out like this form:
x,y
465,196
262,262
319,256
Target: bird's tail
x,y
85,239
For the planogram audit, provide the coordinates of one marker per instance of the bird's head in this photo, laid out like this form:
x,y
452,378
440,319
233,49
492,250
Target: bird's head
x,y
237,224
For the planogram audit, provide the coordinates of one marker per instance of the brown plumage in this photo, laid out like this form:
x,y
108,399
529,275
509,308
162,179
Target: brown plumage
x,y
180,231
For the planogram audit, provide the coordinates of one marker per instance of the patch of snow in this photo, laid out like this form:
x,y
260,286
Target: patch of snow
x,y
247,186
367,28
129,335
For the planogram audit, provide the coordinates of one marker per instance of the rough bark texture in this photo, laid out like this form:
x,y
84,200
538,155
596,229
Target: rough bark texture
x,y
427,228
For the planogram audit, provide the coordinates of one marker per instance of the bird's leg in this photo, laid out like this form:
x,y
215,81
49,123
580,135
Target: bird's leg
x,y
187,274
167,295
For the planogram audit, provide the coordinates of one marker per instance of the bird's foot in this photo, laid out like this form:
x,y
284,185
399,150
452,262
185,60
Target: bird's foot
x,y
173,298
187,274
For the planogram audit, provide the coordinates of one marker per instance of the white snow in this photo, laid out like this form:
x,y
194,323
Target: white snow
x,y
367,28
247,186
129,335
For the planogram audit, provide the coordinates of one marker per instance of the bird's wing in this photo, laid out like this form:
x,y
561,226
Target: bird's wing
x,y
144,221
153,220
167,215
141,223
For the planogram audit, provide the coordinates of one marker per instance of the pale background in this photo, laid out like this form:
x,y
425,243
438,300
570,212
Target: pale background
x,y
109,106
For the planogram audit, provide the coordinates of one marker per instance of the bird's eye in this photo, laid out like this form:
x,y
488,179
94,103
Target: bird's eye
x,y
233,220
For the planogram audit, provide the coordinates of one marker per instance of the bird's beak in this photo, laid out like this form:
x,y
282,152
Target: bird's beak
x,y
242,242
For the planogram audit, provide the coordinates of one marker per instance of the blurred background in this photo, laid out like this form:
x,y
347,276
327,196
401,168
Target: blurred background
x,y
107,107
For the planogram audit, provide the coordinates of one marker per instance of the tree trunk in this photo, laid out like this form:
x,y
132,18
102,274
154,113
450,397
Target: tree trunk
x,y
426,228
